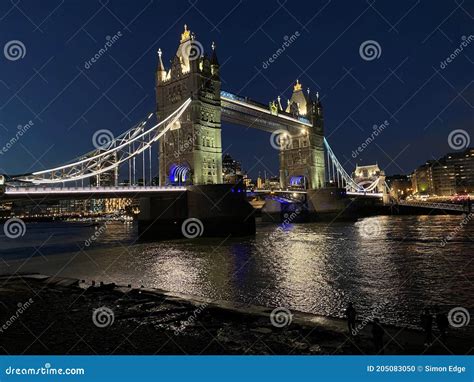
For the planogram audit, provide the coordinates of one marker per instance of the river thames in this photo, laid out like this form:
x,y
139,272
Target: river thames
x,y
395,265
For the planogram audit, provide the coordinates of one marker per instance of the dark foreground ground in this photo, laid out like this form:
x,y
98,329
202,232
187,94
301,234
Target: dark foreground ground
x,y
60,319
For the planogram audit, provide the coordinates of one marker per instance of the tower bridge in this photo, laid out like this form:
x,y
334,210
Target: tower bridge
x,y
190,108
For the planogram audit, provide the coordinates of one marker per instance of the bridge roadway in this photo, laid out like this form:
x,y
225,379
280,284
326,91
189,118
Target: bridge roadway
x,y
50,193
243,111
56,193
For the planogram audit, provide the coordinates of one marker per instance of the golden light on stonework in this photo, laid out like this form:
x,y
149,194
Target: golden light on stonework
x,y
186,35
297,86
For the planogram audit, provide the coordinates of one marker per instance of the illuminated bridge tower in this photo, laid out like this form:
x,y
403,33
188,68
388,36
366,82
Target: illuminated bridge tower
x,y
302,158
191,152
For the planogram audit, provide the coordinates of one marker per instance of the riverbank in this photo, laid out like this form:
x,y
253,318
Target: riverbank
x,y
50,315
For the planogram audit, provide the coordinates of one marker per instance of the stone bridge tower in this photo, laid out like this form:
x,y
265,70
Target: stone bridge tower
x,y
191,152
302,157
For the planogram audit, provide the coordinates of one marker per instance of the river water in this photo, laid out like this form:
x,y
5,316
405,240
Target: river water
x,y
398,263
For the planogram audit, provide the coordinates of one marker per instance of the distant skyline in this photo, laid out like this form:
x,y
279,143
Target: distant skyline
x,y
413,82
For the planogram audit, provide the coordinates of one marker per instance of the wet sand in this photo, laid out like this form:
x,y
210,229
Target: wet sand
x,y
61,316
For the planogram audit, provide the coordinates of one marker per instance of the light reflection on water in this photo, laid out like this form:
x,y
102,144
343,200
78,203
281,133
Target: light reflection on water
x,y
313,267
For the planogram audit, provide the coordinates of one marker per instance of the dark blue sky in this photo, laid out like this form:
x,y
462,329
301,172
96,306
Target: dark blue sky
x,y
405,85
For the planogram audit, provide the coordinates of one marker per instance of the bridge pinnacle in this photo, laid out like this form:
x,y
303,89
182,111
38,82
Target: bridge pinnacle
x,y
186,35
297,86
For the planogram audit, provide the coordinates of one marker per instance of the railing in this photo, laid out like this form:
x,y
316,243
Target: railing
x,y
441,206
261,107
88,190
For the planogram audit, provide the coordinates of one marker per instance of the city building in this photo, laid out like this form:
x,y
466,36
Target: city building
x,y
400,186
450,175
231,170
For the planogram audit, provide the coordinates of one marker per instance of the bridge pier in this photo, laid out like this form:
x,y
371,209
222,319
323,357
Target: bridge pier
x,y
217,210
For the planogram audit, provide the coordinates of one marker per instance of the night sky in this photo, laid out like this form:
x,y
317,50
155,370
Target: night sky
x,y
406,86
